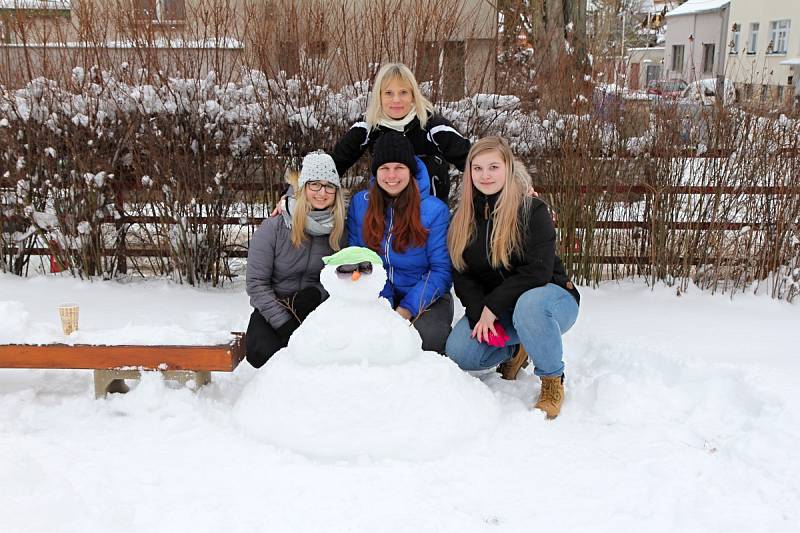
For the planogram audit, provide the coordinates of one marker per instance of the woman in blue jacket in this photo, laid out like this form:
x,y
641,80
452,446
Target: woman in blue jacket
x,y
399,219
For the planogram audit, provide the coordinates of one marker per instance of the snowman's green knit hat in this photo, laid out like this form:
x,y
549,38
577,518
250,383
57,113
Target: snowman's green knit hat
x,y
352,255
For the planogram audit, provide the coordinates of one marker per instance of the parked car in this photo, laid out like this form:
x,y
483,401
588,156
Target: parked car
x,y
672,88
704,92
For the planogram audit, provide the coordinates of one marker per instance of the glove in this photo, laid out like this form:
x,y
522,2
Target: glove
x,y
285,331
304,301
500,339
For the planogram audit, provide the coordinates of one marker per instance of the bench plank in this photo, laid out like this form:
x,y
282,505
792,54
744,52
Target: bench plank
x,y
221,358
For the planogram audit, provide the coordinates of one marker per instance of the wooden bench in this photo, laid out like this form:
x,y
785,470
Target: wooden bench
x,y
180,363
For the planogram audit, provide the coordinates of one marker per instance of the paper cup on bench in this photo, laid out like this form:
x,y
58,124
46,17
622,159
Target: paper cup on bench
x,y
69,317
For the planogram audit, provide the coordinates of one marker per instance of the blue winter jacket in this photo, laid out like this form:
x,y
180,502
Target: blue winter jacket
x,y
420,275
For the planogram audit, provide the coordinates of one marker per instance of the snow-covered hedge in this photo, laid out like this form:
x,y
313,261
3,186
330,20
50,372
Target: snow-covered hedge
x,y
181,166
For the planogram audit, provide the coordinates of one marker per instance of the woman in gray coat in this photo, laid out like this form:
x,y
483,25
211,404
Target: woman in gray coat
x,y
285,258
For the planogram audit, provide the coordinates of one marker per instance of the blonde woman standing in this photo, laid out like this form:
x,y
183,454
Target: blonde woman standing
x,y
396,104
285,258
507,275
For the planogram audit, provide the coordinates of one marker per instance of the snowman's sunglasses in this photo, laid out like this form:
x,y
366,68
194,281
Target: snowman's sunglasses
x,y
344,271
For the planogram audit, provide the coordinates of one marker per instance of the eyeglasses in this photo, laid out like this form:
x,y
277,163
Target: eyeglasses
x,y
317,186
345,271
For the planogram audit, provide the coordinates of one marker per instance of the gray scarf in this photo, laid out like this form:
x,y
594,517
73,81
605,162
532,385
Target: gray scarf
x,y
318,222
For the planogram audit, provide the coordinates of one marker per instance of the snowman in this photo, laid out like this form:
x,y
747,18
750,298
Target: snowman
x,y
354,382
354,325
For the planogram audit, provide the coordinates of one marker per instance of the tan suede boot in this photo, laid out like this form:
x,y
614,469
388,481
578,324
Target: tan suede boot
x,y
509,369
551,396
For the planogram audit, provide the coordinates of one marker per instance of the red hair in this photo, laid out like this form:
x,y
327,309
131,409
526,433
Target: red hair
x,y
407,227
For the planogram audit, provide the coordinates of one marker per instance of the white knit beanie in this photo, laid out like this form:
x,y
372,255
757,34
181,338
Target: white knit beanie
x,y
318,166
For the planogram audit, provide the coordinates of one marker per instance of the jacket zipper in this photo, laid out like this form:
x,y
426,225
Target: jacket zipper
x,y
488,224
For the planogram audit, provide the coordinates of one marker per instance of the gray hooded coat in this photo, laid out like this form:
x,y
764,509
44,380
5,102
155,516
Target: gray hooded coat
x,y
276,269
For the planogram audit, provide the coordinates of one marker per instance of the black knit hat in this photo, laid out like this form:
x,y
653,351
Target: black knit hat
x,y
393,147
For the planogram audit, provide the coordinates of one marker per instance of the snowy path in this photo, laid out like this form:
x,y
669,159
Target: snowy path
x,y
682,414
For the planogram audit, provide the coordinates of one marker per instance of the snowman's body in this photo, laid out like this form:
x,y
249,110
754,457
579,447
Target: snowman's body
x,y
354,325
354,382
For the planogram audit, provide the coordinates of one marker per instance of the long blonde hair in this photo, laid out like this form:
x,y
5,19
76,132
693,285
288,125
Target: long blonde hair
x,y
506,238
303,207
386,74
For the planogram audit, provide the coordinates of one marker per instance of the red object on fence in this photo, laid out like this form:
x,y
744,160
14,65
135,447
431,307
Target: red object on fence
x,y
55,266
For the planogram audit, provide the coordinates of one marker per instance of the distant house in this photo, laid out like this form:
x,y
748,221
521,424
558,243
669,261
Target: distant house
x,y
341,41
644,65
55,11
695,46
764,48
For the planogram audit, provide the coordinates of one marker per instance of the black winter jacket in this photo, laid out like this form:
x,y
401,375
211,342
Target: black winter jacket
x,y
439,145
498,289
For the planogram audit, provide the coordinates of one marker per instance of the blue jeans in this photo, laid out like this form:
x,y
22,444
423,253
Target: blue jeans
x,y
539,319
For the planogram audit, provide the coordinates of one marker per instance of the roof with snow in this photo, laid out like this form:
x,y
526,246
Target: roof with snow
x,y
35,4
695,7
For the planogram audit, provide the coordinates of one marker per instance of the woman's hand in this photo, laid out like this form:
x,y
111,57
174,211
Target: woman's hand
x,y
403,312
278,207
484,326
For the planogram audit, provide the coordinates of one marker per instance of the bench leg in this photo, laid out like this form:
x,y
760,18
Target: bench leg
x,y
103,379
193,379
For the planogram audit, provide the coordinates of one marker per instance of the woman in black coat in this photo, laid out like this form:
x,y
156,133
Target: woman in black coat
x,y
514,288
396,103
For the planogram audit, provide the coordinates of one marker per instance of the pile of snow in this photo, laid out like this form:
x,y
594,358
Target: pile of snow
x,y
355,382
420,410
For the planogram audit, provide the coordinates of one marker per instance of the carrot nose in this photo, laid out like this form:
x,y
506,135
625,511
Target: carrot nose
x,y
356,274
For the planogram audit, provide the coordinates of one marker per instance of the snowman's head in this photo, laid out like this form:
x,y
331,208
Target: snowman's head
x,y
353,273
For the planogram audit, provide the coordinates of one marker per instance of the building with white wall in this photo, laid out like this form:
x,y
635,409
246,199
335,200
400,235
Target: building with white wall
x,y
695,46
764,47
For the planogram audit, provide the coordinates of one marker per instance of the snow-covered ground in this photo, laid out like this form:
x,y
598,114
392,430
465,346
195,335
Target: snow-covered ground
x,y
682,414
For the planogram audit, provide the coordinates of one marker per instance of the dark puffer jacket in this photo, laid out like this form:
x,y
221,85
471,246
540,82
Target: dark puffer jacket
x,y
420,275
439,145
480,284
276,269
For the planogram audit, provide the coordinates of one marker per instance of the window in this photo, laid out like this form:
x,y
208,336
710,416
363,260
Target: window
x,y
653,72
735,36
752,41
677,58
317,49
708,58
289,57
162,11
453,73
779,35
428,55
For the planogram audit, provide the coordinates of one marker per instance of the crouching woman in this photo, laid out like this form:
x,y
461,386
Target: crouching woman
x,y
285,258
507,275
